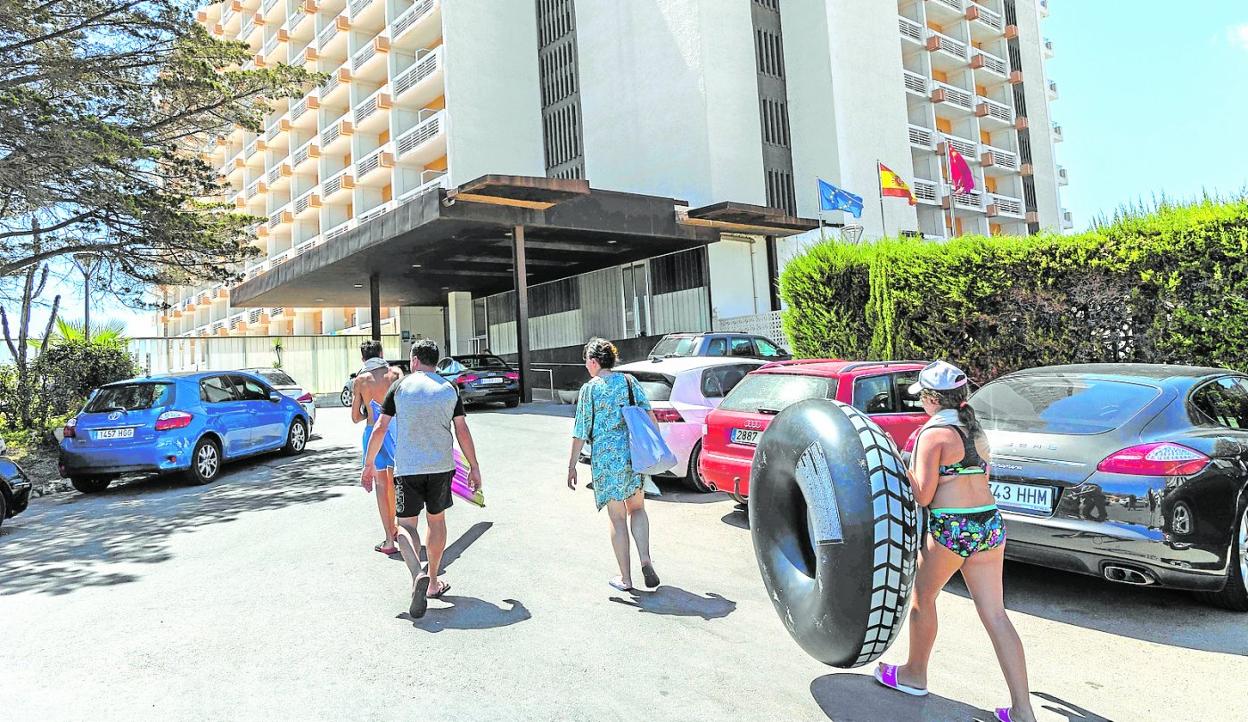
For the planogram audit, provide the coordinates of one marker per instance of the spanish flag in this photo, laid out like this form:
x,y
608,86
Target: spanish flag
x,y
892,185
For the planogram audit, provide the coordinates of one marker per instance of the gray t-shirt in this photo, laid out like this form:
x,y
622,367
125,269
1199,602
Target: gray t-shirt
x,y
424,406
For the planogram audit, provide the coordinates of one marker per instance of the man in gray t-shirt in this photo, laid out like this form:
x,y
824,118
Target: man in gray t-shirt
x,y
429,417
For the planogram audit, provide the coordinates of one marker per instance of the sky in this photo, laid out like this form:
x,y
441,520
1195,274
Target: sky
x,y
1153,99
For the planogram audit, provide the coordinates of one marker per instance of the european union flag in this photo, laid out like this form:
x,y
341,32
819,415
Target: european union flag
x,y
832,198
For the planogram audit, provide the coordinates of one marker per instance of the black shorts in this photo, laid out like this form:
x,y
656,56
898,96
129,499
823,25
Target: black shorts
x,y
417,491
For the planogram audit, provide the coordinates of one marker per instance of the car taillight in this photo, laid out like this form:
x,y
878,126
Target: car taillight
x,y
1160,459
70,430
173,420
668,416
467,379
305,399
513,375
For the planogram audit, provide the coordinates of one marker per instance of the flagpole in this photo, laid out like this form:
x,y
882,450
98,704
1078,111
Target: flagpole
x,y
879,184
946,172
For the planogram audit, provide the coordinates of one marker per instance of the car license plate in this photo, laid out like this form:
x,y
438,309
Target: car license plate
x,y
1024,496
492,382
748,437
114,434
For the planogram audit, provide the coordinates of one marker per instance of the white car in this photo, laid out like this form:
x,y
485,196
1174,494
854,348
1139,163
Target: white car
x,y
682,392
281,381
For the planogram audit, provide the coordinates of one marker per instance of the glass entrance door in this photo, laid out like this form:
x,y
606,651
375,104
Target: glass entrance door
x,y
636,300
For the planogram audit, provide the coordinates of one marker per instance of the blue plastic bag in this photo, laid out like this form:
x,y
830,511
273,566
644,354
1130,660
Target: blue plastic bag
x,y
650,453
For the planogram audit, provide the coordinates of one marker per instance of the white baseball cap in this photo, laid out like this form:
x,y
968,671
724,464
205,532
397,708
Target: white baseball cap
x,y
939,376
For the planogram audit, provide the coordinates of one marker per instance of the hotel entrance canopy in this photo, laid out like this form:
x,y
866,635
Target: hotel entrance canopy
x,y
497,233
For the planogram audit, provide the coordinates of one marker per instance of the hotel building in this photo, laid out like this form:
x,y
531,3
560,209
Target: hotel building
x,y
708,120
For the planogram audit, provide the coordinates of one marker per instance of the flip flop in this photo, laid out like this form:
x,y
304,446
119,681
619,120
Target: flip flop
x,y
647,574
385,549
620,585
445,587
886,674
420,603
1003,715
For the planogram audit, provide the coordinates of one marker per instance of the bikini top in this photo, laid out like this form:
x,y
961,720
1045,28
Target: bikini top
x,y
971,463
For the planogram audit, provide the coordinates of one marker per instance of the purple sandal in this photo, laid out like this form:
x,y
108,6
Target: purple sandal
x,y
1003,715
886,674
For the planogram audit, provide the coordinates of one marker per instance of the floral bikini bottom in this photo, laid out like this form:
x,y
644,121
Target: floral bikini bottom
x,y
966,531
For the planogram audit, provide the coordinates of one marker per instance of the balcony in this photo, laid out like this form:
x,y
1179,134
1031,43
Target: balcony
x,y
927,192
996,112
280,216
308,151
1044,8
1068,220
910,30
250,23
420,84
985,23
1007,206
952,98
915,83
947,53
278,176
377,212
989,67
307,203
336,136
254,189
418,26
367,116
1063,177
969,149
343,180
332,38
370,60
424,143
334,91
998,158
367,13
1058,136
378,160
273,10
308,245
299,115
1048,48
428,179
972,201
945,11
1053,90
922,138
338,230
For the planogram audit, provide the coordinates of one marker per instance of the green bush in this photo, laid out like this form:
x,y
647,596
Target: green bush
x,y
1168,287
69,370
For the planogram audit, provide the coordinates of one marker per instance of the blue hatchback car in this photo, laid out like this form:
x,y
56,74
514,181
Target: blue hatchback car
x,y
186,422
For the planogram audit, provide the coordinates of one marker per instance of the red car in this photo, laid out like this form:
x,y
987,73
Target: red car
x,y
879,388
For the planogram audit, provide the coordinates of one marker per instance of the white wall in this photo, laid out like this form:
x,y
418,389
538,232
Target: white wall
x,y
492,98
870,105
738,277
423,322
669,96
1039,118
459,309
812,108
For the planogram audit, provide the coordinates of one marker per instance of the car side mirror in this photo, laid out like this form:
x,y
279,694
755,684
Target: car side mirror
x,y
275,396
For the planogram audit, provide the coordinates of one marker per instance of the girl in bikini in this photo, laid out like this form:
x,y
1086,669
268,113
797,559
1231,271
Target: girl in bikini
x,y
949,474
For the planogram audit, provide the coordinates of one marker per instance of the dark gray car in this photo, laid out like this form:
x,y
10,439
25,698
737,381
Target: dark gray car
x,y
1135,473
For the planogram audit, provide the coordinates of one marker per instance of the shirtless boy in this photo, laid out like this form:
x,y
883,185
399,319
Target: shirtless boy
x,y
371,384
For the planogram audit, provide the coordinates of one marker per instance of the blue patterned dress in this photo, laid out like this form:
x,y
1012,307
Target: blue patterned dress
x,y
611,462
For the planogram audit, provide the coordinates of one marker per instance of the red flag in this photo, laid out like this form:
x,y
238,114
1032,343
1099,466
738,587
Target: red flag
x,y
960,173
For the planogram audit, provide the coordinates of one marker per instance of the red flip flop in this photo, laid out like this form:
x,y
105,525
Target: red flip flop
x,y
444,587
385,549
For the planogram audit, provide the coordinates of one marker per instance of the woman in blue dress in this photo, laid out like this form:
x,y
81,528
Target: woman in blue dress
x,y
600,422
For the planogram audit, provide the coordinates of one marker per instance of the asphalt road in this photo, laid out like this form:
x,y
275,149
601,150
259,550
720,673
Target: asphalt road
x,y
260,597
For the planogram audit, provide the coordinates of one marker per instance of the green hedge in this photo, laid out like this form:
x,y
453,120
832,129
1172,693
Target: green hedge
x,y
1167,287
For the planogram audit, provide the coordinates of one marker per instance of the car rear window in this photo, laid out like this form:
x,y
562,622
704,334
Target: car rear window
x,y
130,397
1064,405
481,362
275,377
768,393
658,387
674,346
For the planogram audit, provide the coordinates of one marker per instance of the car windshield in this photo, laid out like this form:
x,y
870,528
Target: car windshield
x,y
773,393
1060,405
658,387
674,346
478,363
130,397
275,377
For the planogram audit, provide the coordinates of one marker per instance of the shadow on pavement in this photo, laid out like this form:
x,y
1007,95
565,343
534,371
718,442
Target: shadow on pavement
x,y
1064,709
849,697
1162,616
675,492
676,602
738,517
457,547
64,541
469,613
537,408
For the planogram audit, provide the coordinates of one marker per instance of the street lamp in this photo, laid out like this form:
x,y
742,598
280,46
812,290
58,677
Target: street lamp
x,y
86,263
851,234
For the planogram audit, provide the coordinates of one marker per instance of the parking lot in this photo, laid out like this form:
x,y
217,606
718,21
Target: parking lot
x,y
260,596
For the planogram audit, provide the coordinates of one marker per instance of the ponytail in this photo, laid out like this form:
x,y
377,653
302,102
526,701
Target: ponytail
x,y
956,399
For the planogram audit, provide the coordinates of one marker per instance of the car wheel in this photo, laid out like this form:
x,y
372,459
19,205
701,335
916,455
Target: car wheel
x,y
205,462
513,403
345,396
296,437
90,484
4,510
1234,595
694,478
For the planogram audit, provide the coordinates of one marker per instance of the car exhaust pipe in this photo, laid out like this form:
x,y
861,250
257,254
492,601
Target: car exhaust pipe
x,y
1127,575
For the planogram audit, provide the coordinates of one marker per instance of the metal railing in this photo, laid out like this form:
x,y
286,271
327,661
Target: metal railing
x,y
922,137
303,153
910,29
1002,158
363,55
303,201
991,18
972,201
1006,205
369,106
410,17
377,212
956,96
358,6
968,148
955,5
423,132
956,48
997,110
915,82
926,191
331,134
423,68
339,229
334,184
992,62
370,163
327,33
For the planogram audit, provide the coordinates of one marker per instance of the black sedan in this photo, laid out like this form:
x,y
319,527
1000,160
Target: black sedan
x,y
482,378
14,487
1135,473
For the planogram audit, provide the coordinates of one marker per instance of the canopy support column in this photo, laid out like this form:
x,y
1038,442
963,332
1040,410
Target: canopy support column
x,y
521,276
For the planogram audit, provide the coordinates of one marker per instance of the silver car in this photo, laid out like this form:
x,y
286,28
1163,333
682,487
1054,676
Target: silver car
x,y
281,381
